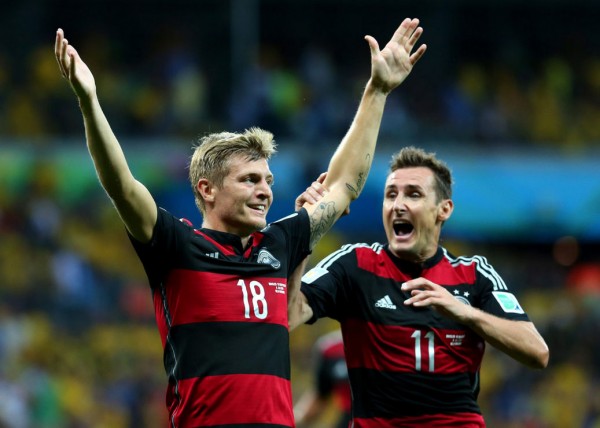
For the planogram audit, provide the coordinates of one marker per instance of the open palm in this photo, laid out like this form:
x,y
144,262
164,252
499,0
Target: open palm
x,y
73,68
390,66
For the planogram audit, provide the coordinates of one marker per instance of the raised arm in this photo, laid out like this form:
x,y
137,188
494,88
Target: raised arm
x,y
131,199
351,162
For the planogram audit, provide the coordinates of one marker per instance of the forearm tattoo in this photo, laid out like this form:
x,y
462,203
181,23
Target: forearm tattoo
x,y
359,185
321,221
327,213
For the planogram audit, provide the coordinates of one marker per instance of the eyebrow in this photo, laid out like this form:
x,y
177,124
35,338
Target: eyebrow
x,y
407,187
268,177
413,187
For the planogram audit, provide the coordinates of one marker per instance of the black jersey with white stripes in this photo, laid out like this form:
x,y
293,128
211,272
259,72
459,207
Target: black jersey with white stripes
x,y
407,364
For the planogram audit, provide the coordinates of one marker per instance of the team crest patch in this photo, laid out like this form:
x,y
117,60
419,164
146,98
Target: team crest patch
x,y
267,258
508,302
463,300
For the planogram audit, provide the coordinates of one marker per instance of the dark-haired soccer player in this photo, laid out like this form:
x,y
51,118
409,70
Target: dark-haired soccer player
x,y
220,292
415,318
331,384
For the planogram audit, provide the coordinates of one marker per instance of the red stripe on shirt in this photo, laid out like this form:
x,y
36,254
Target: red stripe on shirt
x,y
234,399
161,317
442,273
452,420
194,296
448,275
394,348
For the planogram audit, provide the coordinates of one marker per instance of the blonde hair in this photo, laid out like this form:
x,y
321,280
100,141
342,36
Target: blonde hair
x,y
213,152
410,157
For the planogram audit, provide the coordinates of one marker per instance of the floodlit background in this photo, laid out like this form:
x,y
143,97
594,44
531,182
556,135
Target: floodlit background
x,y
508,94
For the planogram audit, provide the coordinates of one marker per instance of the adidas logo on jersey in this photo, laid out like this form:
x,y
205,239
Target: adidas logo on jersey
x,y
385,302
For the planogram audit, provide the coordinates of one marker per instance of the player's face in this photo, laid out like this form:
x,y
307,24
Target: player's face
x,y
412,215
242,202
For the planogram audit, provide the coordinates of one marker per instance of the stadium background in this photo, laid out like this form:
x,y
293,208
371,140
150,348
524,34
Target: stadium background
x,y
508,93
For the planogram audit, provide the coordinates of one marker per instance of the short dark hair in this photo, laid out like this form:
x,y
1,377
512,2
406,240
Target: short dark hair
x,y
412,157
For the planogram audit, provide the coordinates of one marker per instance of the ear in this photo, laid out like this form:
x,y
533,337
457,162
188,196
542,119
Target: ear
x,y
206,190
445,210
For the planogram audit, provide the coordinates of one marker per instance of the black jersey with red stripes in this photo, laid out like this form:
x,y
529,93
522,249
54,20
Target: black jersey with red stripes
x,y
332,374
407,366
221,310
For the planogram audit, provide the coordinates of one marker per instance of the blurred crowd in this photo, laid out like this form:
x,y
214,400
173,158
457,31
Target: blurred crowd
x,y
78,344
555,104
534,79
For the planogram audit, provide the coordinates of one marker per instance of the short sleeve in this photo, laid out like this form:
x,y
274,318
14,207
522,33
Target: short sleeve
x,y
495,296
326,286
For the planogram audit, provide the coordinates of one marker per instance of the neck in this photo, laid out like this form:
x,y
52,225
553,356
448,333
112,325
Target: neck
x,y
415,257
244,237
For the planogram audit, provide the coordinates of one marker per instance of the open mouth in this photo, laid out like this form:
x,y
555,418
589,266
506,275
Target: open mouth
x,y
402,228
261,208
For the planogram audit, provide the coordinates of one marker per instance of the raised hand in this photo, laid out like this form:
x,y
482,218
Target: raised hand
x,y
390,66
73,68
314,193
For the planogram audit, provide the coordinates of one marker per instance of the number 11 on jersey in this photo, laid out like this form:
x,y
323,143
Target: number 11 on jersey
x,y
430,350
